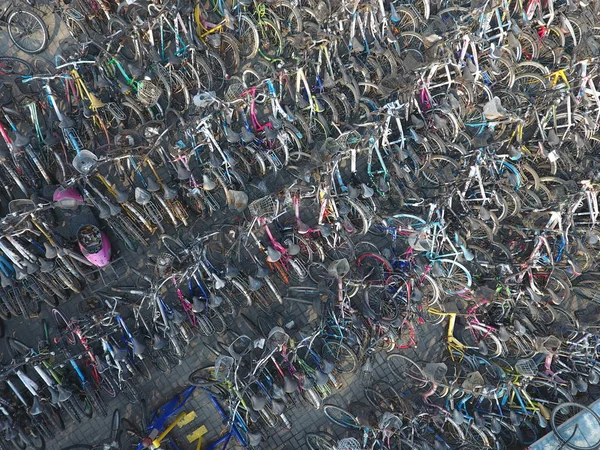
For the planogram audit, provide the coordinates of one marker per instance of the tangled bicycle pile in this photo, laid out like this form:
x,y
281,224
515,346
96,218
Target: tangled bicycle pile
x,y
462,137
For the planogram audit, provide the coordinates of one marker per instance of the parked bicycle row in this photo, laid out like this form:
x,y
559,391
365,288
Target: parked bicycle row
x,y
464,143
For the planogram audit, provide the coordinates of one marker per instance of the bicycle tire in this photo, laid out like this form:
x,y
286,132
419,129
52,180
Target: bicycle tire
x,y
160,361
96,402
556,422
68,407
472,335
312,398
340,417
17,349
63,325
203,377
341,355
320,441
407,371
24,21
247,36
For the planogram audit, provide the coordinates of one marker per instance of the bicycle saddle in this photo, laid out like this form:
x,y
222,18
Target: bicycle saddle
x,y
120,354
277,407
302,227
50,139
103,211
158,342
321,378
20,274
325,229
198,305
278,392
138,346
135,69
247,136
254,438
273,255
290,384
173,58
63,394
367,191
344,208
293,249
262,271
231,136
178,318
10,433
327,366
142,196
362,413
276,124
169,193
215,300
54,395
66,122
152,184
21,140
231,271
253,283
207,183
122,194
112,208
36,408
308,382
182,173
4,280
258,402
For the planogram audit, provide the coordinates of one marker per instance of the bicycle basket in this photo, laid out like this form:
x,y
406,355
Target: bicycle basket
x,y
223,366
234,92
435,371
548,344
348,444
526,367
148,93
473,381
265,207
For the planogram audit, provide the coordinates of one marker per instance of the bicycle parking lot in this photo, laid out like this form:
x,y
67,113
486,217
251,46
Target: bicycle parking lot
x,y
380,214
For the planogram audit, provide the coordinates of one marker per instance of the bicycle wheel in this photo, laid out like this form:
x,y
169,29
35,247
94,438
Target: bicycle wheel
x,y
205,376
321,441
96,401
160,361
247,34
384,397
572,434
342,356
270,42
63,326
340,416
14,66
28,31
482,338
407,371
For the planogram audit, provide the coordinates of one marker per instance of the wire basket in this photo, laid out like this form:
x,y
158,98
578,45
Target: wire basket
x,y
526,367
549,344
348,444
234,91
265,207
148,93
473,381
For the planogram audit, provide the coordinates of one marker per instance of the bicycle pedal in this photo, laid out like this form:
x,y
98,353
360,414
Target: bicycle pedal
x,y
197,434
186,419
